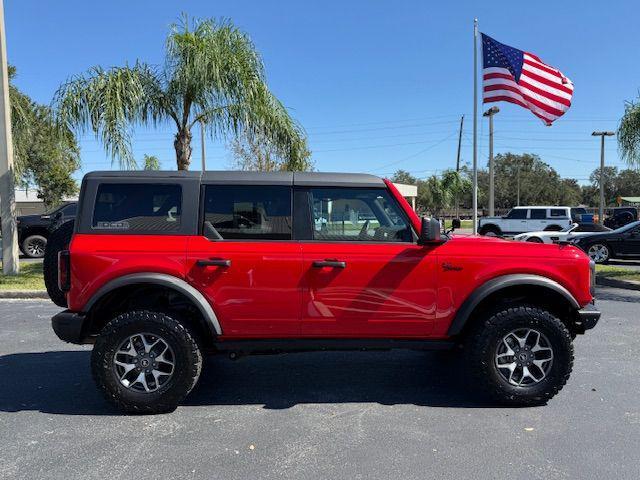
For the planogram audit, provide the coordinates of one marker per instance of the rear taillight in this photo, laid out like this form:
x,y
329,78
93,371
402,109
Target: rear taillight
x,y
592,278
64,270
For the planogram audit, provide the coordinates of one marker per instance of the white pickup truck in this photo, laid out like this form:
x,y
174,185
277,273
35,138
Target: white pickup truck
x,y
529,219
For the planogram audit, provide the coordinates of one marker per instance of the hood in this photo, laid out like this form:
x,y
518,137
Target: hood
x,y
30,218
497,247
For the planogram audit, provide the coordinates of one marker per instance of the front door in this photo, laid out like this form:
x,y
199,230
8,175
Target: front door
x,y
364,275
246,262
630,244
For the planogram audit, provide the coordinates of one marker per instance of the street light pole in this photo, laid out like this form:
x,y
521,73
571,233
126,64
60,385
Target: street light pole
x,y
490,113
601,181
10,265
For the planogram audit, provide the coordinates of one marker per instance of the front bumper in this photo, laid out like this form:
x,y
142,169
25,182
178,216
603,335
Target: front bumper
x,y
68,326
586,318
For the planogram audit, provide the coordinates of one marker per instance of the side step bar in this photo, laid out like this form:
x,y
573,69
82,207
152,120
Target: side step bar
x,y
287,345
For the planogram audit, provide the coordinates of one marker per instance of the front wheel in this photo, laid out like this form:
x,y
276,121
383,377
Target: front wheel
x,y
145,362
521,355
599,253
34,246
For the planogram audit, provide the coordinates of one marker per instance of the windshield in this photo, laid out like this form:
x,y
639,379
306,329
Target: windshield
x,y
628,226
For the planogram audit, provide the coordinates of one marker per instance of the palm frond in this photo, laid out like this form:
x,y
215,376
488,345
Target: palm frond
x,y
629,134
109,102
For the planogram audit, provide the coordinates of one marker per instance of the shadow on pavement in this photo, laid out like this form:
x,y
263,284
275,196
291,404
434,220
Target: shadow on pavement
x,y
60,382
616,295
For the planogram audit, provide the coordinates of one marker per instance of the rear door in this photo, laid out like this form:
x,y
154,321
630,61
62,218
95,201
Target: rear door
x,y
364,275
246,262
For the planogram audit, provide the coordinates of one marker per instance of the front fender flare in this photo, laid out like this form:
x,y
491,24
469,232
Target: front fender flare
x,y
165,280
499,283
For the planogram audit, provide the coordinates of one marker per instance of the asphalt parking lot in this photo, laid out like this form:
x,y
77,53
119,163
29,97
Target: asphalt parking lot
x,y
320,415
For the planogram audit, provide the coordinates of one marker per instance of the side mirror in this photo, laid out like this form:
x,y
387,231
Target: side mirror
x,y
430,232
455,223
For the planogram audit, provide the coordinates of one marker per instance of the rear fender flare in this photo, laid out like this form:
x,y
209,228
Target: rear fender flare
x,y
499,283
165,280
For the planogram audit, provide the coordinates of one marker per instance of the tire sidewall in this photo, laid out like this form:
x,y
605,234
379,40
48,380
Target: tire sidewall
x,y
185,372
500,325
26,241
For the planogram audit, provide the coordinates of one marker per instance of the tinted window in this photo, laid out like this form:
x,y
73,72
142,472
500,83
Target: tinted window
x,y
70,210
590,227
249,212
558,212
357,215
518,213
137,207
538,213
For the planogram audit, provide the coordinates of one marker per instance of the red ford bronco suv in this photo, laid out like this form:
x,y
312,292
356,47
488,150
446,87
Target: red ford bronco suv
x,y
163,267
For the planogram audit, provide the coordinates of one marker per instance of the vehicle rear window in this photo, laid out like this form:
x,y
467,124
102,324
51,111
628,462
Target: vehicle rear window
x,y
248,212
558,212
357,215
137,207
538,213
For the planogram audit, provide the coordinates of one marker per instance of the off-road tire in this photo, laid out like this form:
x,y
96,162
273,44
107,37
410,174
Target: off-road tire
x,y
484,339
58,240
188,362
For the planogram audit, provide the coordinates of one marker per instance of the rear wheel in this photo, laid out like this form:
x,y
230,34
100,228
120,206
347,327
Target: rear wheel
x,y
34,246
521,355
534,240
145,362
58,240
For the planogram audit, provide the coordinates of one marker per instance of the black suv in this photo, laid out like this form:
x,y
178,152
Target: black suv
x,y
33,230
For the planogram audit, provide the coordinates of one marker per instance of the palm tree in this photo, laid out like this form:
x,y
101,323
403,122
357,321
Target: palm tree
x,y
629,133
212,74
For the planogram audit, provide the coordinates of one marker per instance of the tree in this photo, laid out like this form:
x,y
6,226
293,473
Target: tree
x,y
454,185
629,133
212,73
256,153
402,176
151,162
45,154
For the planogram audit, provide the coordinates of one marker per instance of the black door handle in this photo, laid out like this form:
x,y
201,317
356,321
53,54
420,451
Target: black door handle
x,y
214,262
329,263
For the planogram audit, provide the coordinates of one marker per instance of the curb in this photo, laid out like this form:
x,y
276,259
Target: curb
x,y
614,282
9,294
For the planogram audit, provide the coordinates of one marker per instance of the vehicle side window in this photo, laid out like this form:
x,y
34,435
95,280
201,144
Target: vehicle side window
x,y
558,212
248,212
136,207
538,213
517,214
357,215
70,210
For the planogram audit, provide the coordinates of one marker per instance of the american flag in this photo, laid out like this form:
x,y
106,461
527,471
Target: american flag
x,y
511,75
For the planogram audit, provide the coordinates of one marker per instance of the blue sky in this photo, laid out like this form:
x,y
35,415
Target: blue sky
x,y
377,85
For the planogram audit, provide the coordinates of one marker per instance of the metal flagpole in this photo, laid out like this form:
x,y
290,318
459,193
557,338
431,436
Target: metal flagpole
x,y
475,127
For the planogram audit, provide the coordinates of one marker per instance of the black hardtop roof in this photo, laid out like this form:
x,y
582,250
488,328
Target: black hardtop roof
x,y
307,179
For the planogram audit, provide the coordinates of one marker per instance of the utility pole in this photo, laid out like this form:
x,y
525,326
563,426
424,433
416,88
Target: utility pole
x,y
474,192
601,180
518,185
490,113
202,151
458,159
10,264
